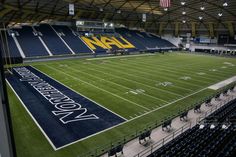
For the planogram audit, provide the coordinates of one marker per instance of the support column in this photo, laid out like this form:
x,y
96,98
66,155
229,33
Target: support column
x,y
230,28
7,143
211,29
177,29
193,26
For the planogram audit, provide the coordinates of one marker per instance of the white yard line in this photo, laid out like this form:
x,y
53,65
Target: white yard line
x,y
145,69
140,77
122,86
98,88
133,82
165,77
80,94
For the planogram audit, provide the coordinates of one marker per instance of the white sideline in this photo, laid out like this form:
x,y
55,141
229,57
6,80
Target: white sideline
x,y
120,57
223,83
35,121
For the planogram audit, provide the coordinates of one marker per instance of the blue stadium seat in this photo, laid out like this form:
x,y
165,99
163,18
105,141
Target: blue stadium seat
x,y
51,39
30,43
75,43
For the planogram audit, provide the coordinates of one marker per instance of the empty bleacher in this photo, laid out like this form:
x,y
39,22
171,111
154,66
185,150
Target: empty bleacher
x,y
72,39
30,43
209,140
52,40
47,40
144,40
13,50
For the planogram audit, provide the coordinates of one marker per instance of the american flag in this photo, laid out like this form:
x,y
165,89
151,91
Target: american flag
x,y
165,3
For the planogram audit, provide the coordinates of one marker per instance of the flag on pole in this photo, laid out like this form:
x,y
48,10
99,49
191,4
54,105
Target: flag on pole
x,y
165,3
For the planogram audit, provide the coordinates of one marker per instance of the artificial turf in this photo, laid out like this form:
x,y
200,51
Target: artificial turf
x,y
143,89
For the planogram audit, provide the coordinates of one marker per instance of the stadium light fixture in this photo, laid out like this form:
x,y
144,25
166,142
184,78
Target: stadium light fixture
x,y
201,126
224,126
165,9
225,4
101,9
183,3
184,12
212,126
200,17
184,21
118,11
220,14
202,8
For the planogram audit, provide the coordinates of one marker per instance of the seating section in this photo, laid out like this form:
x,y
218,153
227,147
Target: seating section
x,y
30,43
72,39
52,40
45,40
144,40
206,141
13,50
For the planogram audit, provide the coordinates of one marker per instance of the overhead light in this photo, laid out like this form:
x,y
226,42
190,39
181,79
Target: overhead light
x,y
224,126
212,126
118,11
184,21
201,126
183,3
165,9
225,4
220,14
200,17
184,12
101,9
111,25
202,8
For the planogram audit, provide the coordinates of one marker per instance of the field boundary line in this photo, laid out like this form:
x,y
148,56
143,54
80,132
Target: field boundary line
x,y
128,56
32,117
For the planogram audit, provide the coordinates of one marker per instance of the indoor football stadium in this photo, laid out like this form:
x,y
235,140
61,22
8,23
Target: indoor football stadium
x,y
118,78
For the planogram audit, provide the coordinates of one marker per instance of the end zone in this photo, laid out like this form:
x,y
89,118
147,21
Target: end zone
x,y
63,115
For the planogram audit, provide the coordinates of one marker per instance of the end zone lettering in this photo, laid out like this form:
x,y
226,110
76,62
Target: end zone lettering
x,y
65,108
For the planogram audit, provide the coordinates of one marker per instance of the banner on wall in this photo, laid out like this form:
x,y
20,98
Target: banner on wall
x,y
71,9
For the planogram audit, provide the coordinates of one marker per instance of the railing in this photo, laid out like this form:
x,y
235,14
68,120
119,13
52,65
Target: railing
x,y
214,108
154,124
163,141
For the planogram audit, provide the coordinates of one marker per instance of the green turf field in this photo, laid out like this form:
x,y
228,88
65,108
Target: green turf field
x,y
143,89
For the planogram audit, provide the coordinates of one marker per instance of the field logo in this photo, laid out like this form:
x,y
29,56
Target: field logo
x,y
107,42
68,110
